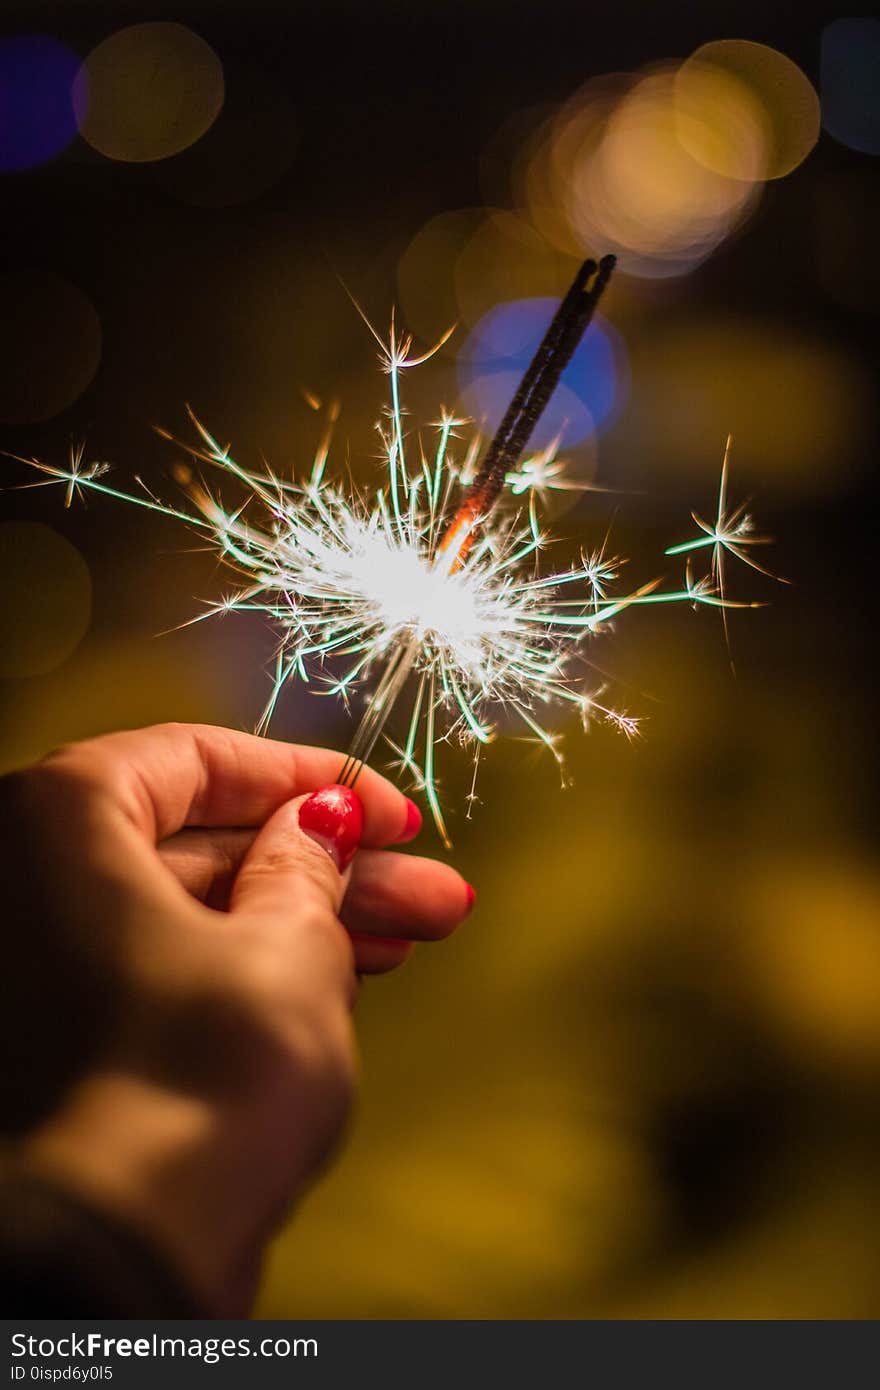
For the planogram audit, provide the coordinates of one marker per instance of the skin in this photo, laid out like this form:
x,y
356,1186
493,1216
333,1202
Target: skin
x,y
186,961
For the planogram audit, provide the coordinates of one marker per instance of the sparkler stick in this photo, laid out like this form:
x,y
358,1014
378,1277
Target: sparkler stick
x,y
529,402
542,376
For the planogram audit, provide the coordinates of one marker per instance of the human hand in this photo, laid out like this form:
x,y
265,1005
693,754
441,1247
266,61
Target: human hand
x,y
180,1036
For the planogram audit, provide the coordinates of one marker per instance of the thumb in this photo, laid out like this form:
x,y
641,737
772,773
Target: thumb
x,y
297,865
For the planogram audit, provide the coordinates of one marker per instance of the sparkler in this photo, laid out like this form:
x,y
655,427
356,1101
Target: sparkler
x,y
511,438
433,580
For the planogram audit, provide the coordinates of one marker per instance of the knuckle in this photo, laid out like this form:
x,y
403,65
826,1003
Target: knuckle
x,y
170,728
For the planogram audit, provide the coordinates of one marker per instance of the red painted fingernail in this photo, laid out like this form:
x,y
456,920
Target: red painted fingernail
x,y
334,818
413,823
471,899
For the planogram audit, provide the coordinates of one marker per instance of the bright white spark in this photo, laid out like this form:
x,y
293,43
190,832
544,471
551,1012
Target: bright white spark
x,y
542,473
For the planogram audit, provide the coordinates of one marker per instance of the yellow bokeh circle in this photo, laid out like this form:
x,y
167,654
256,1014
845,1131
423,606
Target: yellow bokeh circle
x,y
506,259
795,404
749,85
47,598
148,91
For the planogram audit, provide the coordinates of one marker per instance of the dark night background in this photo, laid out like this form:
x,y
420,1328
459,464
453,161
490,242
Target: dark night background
x,y
644,1080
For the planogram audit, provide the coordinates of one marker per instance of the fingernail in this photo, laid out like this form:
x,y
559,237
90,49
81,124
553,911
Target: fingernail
x,y
471,899
413,823
334,818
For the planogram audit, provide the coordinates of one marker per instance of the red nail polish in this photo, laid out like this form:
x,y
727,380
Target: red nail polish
x,y
471,898
413,823
334,818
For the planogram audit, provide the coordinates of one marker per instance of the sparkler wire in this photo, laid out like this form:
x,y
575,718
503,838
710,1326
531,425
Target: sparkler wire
x,y
529,402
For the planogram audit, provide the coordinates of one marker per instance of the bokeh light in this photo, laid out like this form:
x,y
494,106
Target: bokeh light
x,y
426,272
557,150
499,349
614,162
770,91
503,259
128,682
660,166
646,196
36,105
720,121
250,146
148,91
815,962
850,83
485,396
796,406
54,351
47,598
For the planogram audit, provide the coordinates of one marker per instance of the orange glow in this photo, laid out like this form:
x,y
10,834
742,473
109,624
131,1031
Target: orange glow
x,y
459,536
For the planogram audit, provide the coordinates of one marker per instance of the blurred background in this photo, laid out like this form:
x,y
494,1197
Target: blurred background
x,y
643,1081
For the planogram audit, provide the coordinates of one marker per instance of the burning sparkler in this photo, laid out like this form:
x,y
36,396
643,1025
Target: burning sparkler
x,y
433,580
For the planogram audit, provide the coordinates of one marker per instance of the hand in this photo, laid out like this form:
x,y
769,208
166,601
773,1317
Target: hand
x,y
179,1031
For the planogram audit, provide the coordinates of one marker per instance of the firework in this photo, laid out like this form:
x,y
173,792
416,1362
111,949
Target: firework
x,y
428,593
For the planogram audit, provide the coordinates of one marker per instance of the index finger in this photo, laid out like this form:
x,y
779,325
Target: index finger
x,y
173,775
